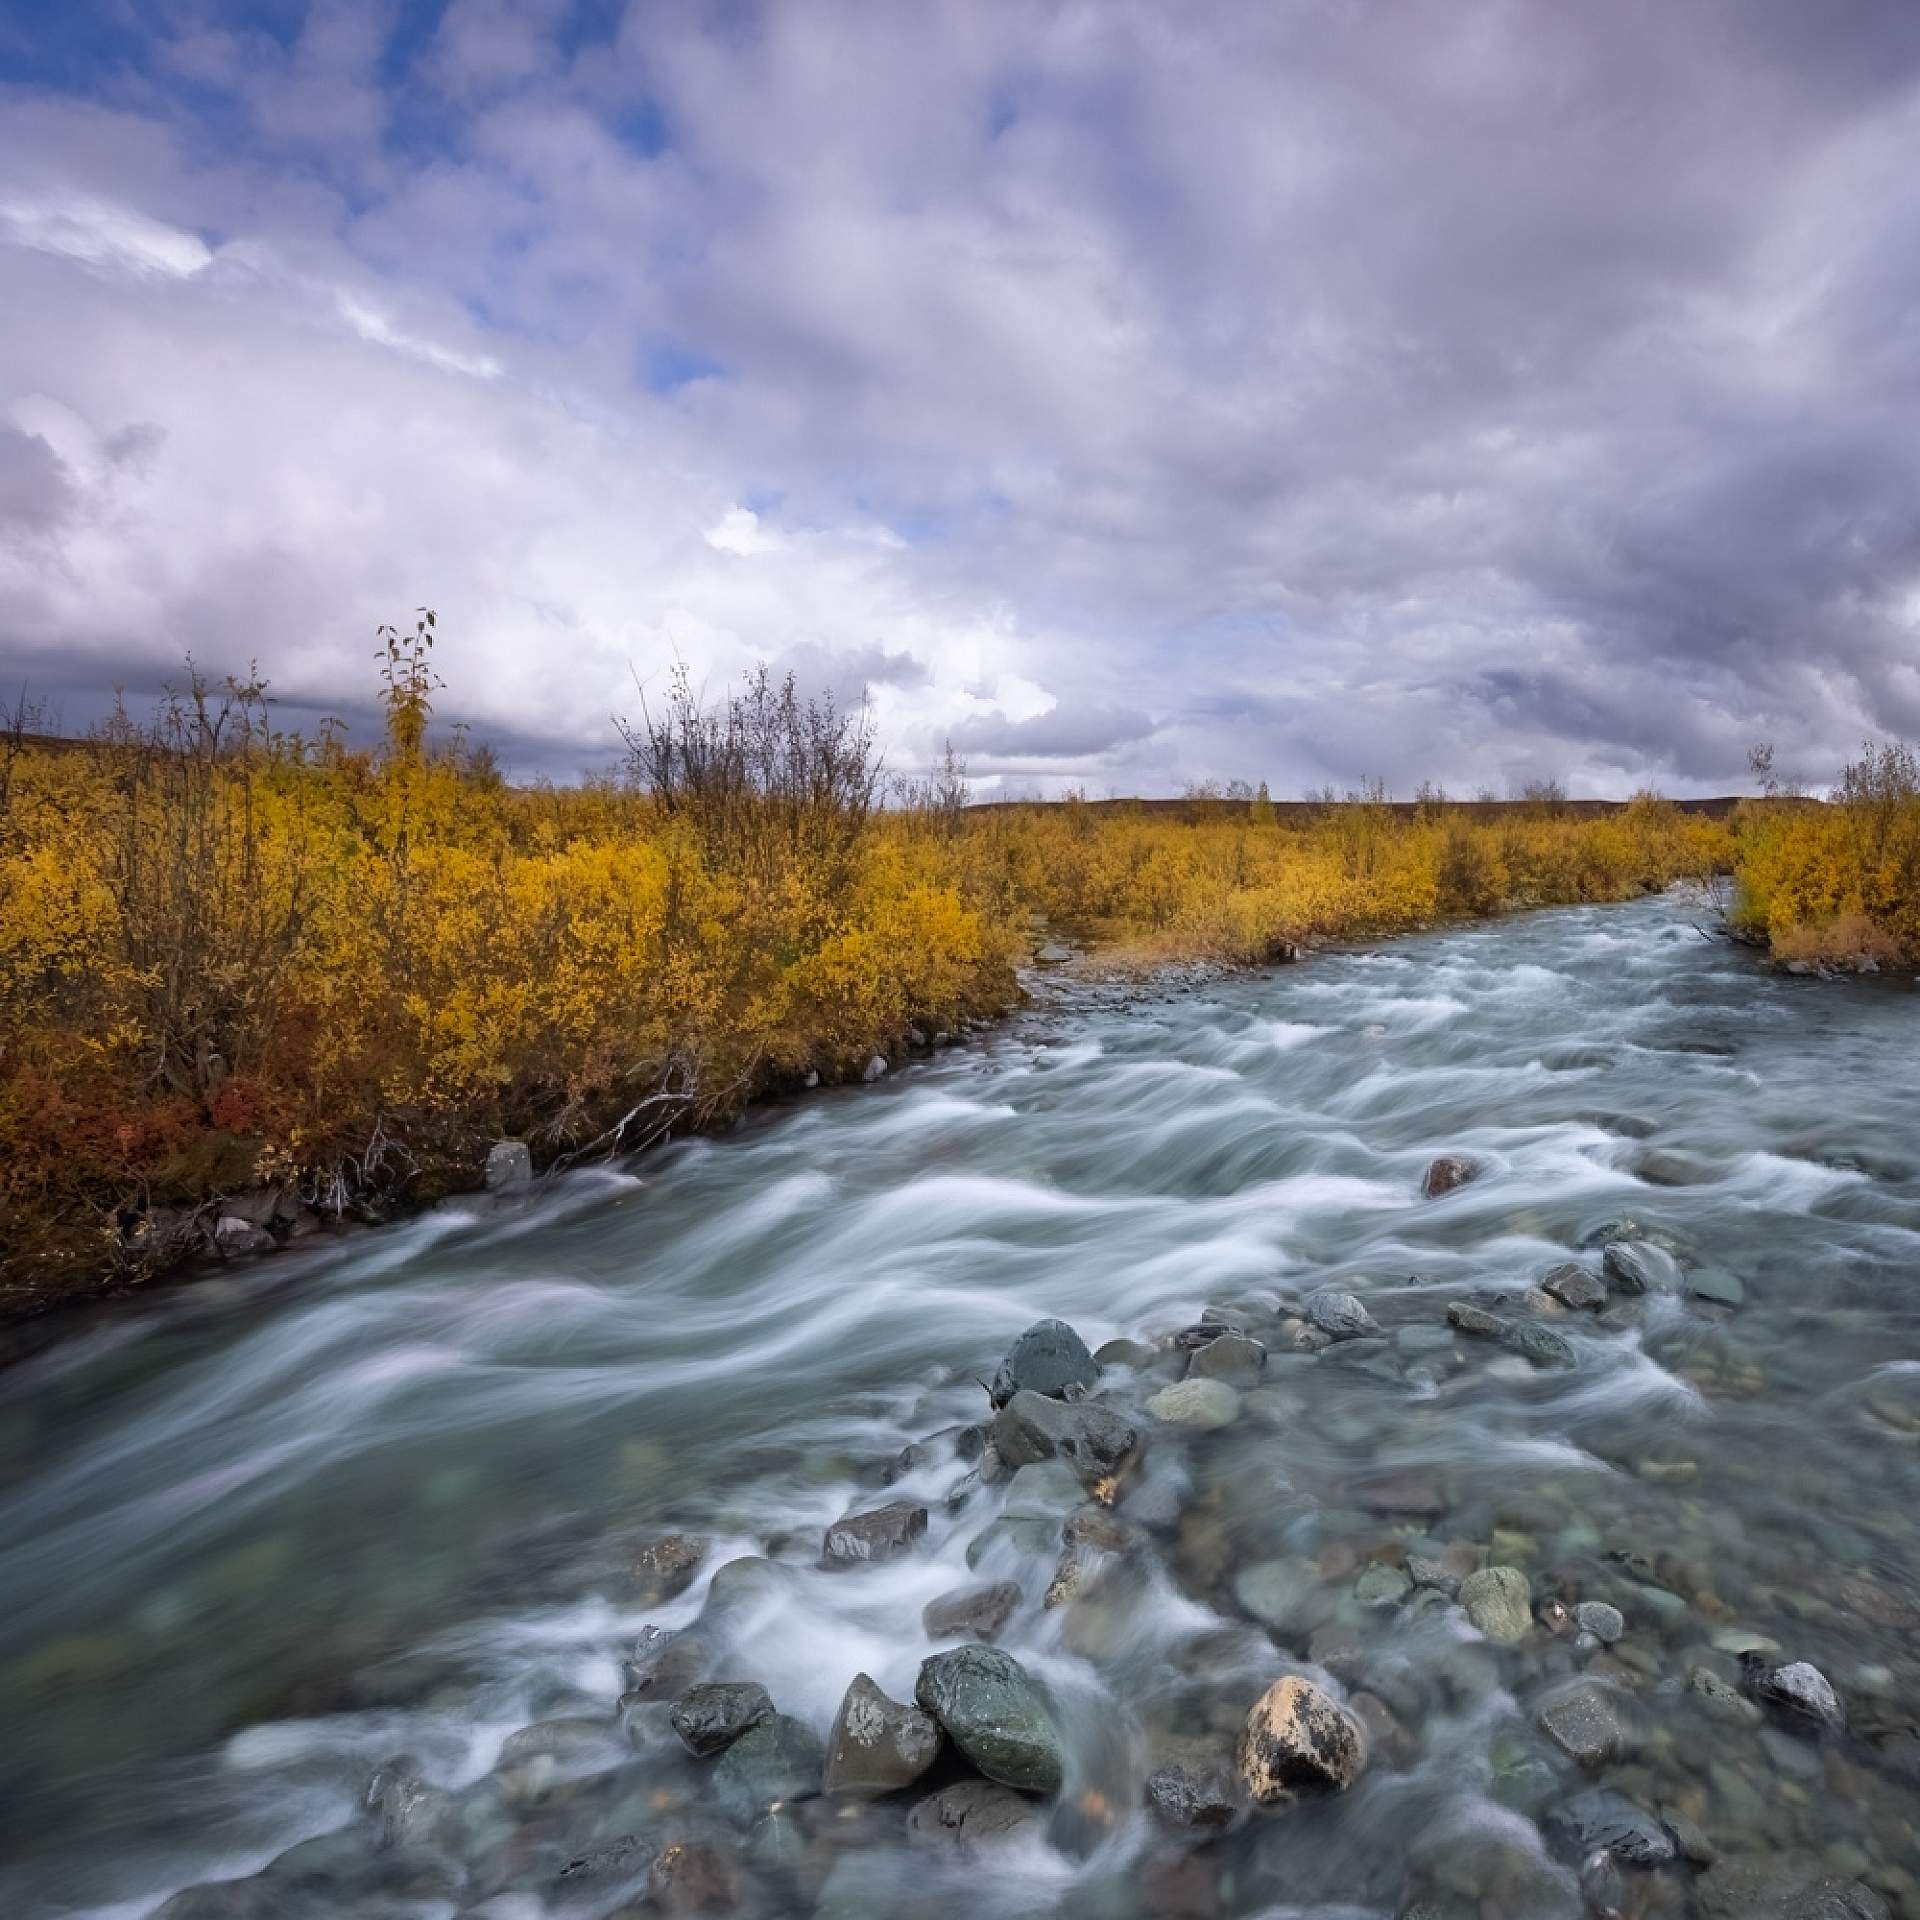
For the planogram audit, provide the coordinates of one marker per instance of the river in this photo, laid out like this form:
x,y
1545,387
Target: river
x,y
384,1498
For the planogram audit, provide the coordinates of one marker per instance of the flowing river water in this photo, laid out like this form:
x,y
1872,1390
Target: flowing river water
x,y
369,1513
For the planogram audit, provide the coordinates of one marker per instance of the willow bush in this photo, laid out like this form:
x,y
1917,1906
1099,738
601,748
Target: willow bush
x,y
232,955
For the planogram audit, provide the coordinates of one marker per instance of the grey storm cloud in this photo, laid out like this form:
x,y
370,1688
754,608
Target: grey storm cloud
x,y
1466,389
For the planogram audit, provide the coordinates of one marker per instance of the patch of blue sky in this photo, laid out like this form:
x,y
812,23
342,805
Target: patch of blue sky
x,y
669,365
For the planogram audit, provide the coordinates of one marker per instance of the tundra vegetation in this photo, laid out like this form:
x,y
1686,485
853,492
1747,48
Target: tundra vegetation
x,y
233,959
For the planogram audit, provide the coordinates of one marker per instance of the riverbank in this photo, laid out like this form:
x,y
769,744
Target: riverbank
x,y
429,1503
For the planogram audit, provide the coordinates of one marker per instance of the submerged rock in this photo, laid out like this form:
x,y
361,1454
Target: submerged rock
x,y
996,1714
665,1567
970,1814
1716,1284
1444,1174
1605,1623
1636,1266
1095,1441
1602,1820
1048,1358
1196,1403
776,1760
1785,1887
711,1717
1299,1739
1195,1789
878,1533
971,1612
878,1745
1499,1601
1589,1721
1339,1314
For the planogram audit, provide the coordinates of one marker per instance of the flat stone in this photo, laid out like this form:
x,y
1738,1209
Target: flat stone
x,y
1298,1739
1095,1440
1278,1593
1235,1358
1196,1403
1410,1495
1573,1286
976,1613
1588,1721
1600,1819
878,1745
996,1713
713,1715
1048,1358
1784,1887
1464,1317
1499,1601
878,1533
1382,1586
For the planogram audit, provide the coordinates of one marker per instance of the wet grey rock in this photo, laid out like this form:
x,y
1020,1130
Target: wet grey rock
x,y
1464,1317
976,1613
619,1860
1196,1403
1721,1699
1403,1496
875,1069
1048,1358
509,1164
996,1713
1133,1354
1499,1601
1281,1594
1541,1345
1195,1791
1298,1739
1605,1623
878,1745
746,1582
1045,1488
776,1760
1094,1440
1784,1887
1589,1721
1236,1358
410,1811
878,1533
1601,1819
1718,1285
567,1737
1636,1266
1799,1690
711,1717
1450,1170
237,1239
969,1815
1339,1314
1573,1286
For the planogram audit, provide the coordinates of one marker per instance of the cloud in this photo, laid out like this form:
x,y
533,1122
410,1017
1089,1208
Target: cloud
x,y
1131,395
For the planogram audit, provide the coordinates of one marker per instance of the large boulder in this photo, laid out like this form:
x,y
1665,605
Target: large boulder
x,y
712,1716
996,1713
878,1745
1031,1427
1299,1739
879,1533
775,1760
1048,1358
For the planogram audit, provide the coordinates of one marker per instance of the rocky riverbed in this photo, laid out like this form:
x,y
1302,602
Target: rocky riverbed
x,y
1432,1433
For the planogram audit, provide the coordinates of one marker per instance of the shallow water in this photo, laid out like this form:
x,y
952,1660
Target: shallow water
x,y
385,1498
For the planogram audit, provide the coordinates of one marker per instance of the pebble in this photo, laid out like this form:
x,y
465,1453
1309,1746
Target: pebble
x,y
1588,1721
1499,1601
1605,1623
1196,1403
1299,1739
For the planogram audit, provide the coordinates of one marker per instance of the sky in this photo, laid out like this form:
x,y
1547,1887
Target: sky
x,y
1472,391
